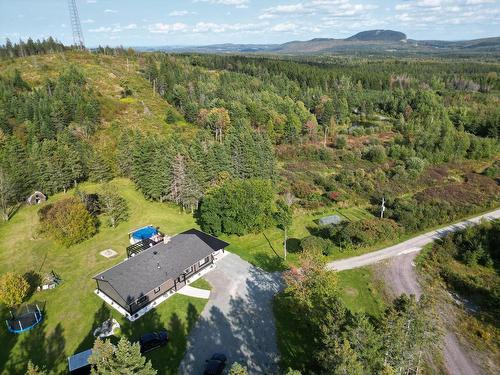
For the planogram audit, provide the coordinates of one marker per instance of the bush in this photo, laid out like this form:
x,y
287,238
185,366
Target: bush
x,y
366,232
414,165
13,289
67,222
238,207
493,171
237,369
341,141
317,245
375,154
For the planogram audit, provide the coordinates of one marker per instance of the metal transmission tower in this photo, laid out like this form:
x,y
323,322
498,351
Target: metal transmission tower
x,y
75,25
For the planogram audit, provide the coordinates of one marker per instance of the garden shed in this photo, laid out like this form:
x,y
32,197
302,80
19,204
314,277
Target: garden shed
x,y
36,198
329,220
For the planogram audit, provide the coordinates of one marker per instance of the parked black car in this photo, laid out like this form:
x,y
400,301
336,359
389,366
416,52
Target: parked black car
x,y
153,340
216,364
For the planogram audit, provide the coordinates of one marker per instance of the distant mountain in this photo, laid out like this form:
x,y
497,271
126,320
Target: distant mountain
x,y
365,42
379,35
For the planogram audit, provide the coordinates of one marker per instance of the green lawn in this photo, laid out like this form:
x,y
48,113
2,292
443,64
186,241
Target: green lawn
x,y
72,310
266,249
361,292
201,283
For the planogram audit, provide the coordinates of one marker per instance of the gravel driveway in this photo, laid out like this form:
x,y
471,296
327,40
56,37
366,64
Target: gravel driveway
x,y
401,277
237,320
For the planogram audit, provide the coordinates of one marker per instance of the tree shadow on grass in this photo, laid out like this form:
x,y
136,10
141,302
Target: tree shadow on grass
x,y
8,341
100,316
45,349
34,280
293,245
165,359
269,263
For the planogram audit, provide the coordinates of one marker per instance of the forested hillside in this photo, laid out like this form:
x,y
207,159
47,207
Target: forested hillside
x,y
334,134
254,150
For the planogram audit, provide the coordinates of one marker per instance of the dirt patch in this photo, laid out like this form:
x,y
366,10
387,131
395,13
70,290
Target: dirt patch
x,y
351,292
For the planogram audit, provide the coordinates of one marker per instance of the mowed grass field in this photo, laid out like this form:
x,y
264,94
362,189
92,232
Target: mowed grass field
x,y
265,249
72,310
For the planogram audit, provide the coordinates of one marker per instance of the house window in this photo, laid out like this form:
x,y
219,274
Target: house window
x,y
157,290
188,270
141,300
204,261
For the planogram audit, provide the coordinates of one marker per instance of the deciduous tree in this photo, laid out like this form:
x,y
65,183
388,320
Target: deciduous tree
x,y
13,289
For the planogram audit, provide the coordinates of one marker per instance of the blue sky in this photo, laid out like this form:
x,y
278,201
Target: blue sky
x,y
196,22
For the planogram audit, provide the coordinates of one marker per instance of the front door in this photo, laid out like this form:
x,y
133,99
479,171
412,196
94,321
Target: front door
x,y
180,282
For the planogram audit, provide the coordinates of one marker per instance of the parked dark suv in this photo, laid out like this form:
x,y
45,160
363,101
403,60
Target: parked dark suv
x,y
153,340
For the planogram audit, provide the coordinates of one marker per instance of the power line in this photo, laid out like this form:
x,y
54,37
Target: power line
x,y
75,25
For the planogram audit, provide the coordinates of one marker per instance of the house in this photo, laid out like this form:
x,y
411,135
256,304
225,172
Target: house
x,y
136,282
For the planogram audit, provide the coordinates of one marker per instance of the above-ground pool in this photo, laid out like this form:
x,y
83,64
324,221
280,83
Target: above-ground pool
x,y
143,233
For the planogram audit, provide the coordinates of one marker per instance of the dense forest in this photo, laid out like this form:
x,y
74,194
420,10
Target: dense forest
x,y
248,143
333,134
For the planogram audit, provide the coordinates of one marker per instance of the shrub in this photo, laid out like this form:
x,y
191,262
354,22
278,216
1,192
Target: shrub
x,y
237,369
493,171
341,141
376,154
68,222
317,245
366,232
302,189
414,165
13,289
238,207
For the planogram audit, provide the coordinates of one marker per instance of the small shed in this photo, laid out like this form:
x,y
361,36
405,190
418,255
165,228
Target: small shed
x,y
79,363
330,220
36,198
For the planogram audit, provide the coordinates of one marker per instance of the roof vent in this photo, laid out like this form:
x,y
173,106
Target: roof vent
x,y
155,252
158,265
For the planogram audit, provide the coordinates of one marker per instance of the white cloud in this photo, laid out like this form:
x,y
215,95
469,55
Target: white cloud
x,y
179,13
131,26
101,29
89,20
110,11
165,28
236,3
331,8
285,26
205,27
91,1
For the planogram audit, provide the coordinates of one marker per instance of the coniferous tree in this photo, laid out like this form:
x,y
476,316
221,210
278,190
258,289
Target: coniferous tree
x,y
99,168
113,206
178,181
124,359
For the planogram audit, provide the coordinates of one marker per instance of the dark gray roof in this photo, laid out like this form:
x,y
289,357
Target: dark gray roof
x,y
140,274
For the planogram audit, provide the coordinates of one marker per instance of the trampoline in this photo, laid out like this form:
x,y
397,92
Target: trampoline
x,y
25,319
143,233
